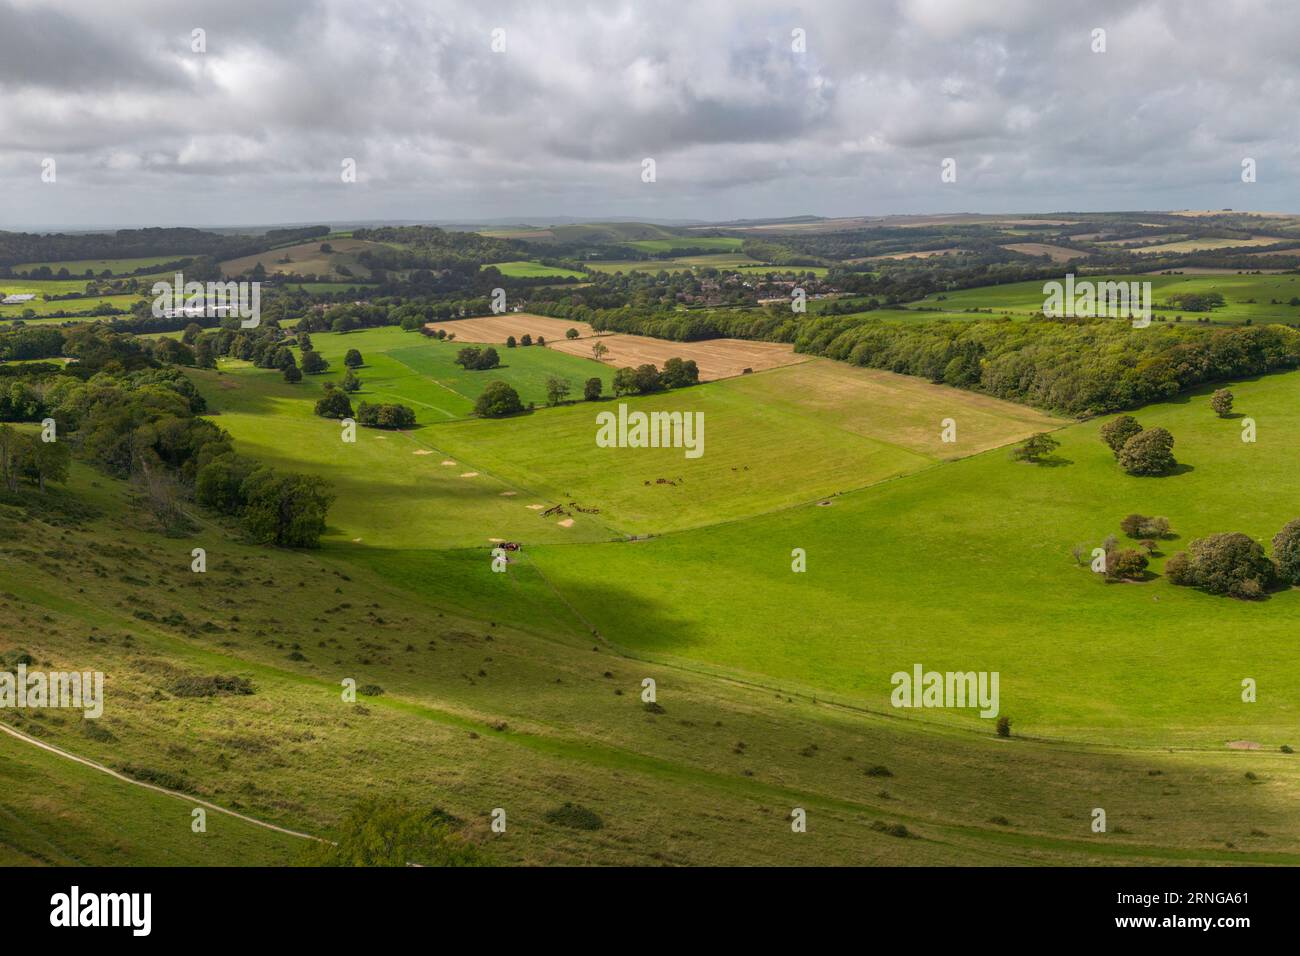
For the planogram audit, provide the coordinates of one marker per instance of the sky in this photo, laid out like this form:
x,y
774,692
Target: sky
x,y
500,110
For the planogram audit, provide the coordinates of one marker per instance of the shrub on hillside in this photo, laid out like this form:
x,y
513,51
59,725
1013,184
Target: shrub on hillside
x,y
1117,431
498,400
1127,565
1286,552
1232,564
389,832
1221,402
1149,453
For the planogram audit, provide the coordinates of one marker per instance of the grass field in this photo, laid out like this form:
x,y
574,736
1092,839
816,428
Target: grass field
x,y
727,243
533,270
762,435
42,308
968,566
722,260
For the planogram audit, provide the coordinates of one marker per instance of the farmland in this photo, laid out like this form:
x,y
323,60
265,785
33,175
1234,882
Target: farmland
x,y
924,542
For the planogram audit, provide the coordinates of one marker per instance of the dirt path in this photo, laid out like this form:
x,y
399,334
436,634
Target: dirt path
x,y
18,734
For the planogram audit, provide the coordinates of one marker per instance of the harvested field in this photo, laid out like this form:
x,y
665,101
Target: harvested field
x,y
1058,253
497,328
717,358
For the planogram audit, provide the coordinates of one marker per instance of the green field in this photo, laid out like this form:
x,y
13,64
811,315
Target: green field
x,y
1247,296
533,270
968,566
42,308
722,260
689,242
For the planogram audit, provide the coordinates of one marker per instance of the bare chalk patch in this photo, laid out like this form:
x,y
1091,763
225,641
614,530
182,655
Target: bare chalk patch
x,y
508,494
448,462
536,507
469,474
422,451
565,523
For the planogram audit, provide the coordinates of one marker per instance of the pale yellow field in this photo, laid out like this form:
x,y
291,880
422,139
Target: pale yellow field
x,y
495,329
716,358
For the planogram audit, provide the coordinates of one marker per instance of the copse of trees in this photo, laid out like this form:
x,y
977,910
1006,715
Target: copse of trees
x,y
472,358
385,416
1142,526
25,457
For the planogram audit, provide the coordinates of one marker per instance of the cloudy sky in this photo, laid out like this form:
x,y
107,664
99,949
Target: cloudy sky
x,y
143,130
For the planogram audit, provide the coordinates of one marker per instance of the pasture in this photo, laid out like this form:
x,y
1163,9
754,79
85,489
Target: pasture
x,y
968,566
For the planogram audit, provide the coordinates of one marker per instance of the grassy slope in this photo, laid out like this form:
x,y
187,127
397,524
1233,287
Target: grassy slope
x,y
678,787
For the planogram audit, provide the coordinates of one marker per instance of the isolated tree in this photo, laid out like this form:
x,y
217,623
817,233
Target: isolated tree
x,y
510,342
350,382
1232,563
1116,432
557,390
1035,448
1149,452
571,333
599,350
353,359
468,357
312,363
526,339
591,390
1221,402
292,374
285,509
541,340
1286,552
497,400
334,404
